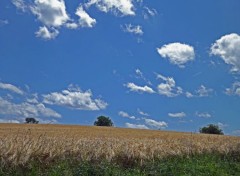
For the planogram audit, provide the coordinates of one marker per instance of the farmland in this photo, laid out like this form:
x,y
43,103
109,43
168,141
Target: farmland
x,y
24,144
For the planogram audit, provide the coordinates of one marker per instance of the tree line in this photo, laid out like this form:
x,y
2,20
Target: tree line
x,y
106,121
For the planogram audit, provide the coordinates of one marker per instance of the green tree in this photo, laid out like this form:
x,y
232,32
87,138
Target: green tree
x,y
103,121
31,120
211,129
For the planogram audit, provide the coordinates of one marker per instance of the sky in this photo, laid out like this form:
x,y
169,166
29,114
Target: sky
x,y
149,64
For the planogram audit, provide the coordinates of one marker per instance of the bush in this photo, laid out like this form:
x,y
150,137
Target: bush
x,y
211,129
103,121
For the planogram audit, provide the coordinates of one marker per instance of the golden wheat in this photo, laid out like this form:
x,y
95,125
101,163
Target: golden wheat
x,y
21,143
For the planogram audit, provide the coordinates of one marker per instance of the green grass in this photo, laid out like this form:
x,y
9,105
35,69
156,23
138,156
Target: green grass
x,y
196,165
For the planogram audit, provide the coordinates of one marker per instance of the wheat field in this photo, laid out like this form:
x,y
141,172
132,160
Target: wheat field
x,y
22,143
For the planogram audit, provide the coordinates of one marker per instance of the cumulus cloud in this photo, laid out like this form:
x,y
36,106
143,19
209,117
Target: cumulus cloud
x,y
203,115
51,13
177,53
133,29
11,88
47,34
203,91
124,7
84,19
168,88
26,109
126,115
156,124
138,126
228,48
133,87
75,98
234,90
177,115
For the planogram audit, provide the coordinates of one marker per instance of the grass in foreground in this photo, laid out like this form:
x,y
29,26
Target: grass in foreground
x,y
200,165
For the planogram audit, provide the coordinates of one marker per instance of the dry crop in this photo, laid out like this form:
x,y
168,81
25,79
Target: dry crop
x,y
22,143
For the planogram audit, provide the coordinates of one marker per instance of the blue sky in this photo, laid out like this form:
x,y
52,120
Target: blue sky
x,y
164,64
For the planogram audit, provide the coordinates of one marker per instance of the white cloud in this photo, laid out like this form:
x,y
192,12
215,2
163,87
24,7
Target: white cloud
x,y
189,95
9,121
156,124
11,88
45,33
228,48
84,19
147,12
20,4
234,90
133,87
72,25
168,88
51,13
133,29
177,53
203,91
125,114
129,125
177,115
76,99
125,7
142,113
26,109
203,115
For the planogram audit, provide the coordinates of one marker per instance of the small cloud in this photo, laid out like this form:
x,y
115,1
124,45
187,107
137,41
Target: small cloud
x,y
133,29
203,91
72,25
84,19
142,113
168,88
124,7
177,115
20,4
203,115
75,98
47,34
177,53
234,90
138,126
11,88
228,48
222,125
147,12
126,115
189,95
133,87
156,124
